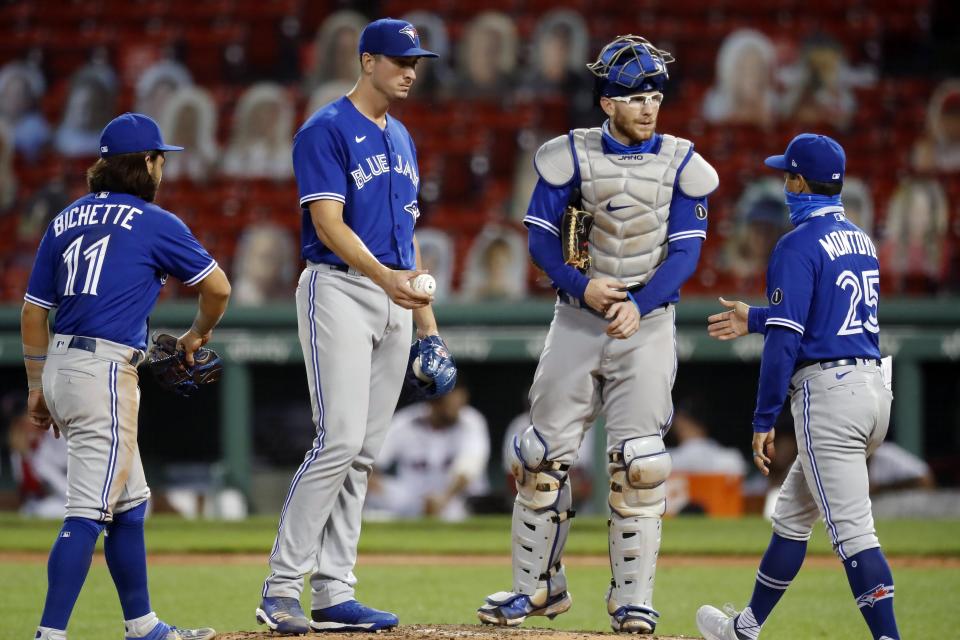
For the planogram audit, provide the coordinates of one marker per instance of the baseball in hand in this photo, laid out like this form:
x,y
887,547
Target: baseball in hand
x,y
417,371
424,283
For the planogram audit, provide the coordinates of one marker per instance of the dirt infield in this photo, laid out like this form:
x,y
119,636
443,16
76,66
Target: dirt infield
x,y
382,559
445,632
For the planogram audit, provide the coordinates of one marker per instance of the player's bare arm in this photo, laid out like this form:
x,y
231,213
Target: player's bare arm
x,y
327,217
624,319
214,294
603,292
423,316
731,324
35,333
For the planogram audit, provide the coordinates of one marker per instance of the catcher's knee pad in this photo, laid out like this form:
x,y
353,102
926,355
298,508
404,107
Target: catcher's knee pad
x,y
638,469
541,518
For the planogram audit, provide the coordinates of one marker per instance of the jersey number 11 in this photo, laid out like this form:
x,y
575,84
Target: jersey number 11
x,y
94,255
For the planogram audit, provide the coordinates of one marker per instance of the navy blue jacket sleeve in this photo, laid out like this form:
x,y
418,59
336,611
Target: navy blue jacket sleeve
x,y
780,348
681,262
548,255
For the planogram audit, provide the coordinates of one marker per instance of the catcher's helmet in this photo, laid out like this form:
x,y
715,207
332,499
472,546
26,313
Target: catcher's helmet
x,y
628,65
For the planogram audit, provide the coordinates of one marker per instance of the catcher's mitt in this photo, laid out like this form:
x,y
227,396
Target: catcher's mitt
x,y
436,365
173,373
574,234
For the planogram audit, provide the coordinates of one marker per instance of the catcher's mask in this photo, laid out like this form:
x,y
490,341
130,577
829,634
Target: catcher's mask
x,y
629,65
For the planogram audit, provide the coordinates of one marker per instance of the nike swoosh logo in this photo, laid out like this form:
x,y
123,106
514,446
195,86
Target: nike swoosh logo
x,y
612,208
840,376
360,138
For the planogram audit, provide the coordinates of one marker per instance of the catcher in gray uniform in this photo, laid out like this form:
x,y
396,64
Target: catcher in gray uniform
x,y
616,220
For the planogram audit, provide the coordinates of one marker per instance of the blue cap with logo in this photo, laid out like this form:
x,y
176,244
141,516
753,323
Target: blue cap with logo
x,y
132,133
813,156
394,38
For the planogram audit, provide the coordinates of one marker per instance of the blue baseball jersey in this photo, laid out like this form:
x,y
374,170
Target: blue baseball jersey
x,y
102,262
686,230
340,154
823,281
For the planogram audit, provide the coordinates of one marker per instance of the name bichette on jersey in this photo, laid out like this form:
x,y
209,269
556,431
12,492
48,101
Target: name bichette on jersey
x,y
379,165
90,214
842,243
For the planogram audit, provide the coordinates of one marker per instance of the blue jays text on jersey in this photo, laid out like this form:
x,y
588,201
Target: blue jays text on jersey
x,y
102,262
340,154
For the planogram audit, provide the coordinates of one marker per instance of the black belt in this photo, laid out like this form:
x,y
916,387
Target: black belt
x,y
577,302
830,364
90,344
345,268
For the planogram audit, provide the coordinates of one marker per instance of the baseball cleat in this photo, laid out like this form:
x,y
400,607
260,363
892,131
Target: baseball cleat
x,y
352,616
164,631
507,609
715,624
634,619
284,616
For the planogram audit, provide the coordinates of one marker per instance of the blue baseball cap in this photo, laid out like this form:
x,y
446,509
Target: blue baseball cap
x,y
132,133
394,38
813,156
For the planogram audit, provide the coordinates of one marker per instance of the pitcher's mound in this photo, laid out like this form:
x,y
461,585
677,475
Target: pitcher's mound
x,y
443,632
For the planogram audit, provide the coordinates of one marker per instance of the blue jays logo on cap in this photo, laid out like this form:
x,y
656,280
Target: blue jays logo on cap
x,y
394,38
132,133
813,156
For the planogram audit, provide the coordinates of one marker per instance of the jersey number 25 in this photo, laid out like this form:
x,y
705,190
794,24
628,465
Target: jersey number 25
x,y
94,255
865,297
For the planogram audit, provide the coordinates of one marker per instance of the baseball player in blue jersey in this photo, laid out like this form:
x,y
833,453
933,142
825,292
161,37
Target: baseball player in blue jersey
x,y
610,350
356,169
101,264
822,346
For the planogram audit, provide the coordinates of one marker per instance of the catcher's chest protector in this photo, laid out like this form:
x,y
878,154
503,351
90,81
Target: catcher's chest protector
x,y
629,197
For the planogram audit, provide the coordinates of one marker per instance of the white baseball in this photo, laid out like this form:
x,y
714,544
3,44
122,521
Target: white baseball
x,y
417,371
425,283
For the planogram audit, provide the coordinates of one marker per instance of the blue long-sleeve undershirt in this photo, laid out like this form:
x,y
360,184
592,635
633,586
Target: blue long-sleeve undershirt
x,y
780,348
679,265
547,253
757,319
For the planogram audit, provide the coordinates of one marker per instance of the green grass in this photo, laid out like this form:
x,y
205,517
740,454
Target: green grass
x,y
491,535
818,604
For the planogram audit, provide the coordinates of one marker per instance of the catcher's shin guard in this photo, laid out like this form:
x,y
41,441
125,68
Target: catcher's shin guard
x,y
637,500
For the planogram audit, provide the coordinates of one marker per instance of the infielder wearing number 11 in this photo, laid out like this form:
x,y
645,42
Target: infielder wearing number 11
x,y
822,344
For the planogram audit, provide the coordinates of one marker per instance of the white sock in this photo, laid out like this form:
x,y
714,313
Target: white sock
x,y
139,627
46,633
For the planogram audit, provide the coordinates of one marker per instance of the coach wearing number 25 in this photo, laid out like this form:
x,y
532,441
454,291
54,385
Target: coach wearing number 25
x,y
822,343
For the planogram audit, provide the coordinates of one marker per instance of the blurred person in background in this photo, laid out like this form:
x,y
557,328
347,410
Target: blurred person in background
x,y
334,53
40,209
893,468
436,258
263,265
8,178
914,251
191,118
761,218
496,267
38,460
697,452
558,47
858,204
487,57
743,91
440,449
158,84
261,140
325,94
91,104
939,148
21,88
433,80
820,86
